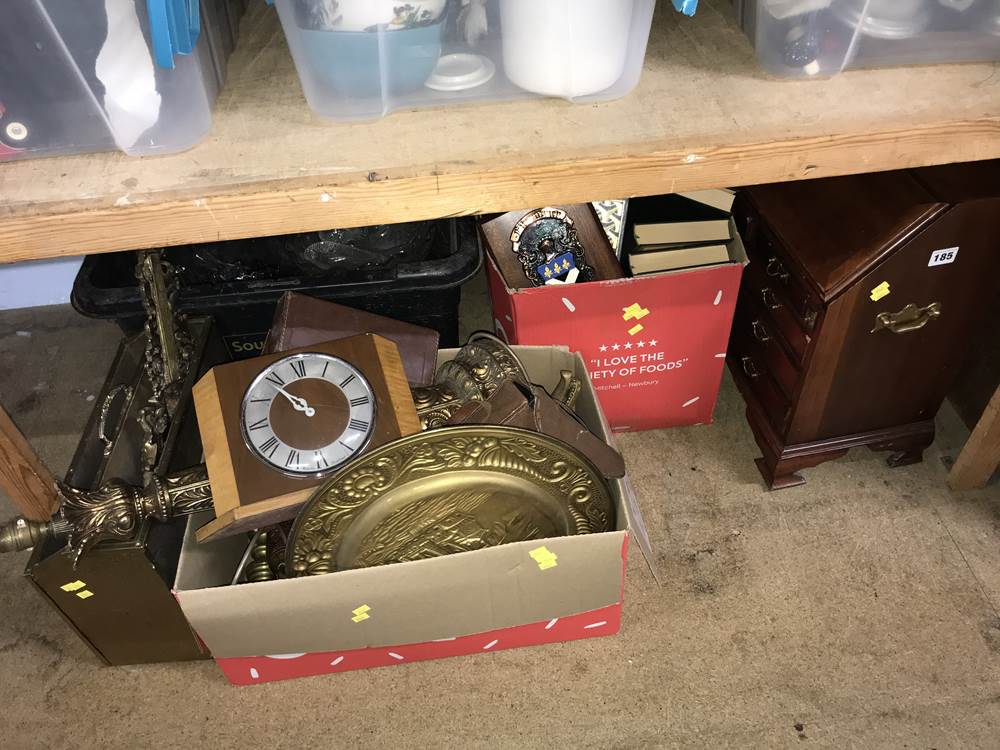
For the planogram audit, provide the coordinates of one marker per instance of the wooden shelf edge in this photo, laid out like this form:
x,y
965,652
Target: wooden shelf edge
x,y
259,209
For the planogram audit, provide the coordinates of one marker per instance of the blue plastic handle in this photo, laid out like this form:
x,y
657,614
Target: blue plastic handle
x,y
174,26
159,31
184,43
194,14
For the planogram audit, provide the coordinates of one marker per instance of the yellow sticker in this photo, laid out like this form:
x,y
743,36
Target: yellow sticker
x,y
85,594
73,586
635,311
361,613
882,290
544,557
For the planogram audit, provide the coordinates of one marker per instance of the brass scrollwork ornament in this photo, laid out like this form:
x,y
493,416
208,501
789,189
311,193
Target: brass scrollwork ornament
x,y
169,350
478,369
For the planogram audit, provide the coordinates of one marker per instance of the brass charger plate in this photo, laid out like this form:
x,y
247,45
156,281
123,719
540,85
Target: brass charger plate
x,y
449,490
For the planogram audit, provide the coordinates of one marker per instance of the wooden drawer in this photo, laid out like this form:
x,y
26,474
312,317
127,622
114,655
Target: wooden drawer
x,y
747,363
768,254
771,300
758,332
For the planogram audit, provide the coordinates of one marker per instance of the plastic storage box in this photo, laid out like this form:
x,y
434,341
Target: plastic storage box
x,y
218,279
360,59
804,38
90,75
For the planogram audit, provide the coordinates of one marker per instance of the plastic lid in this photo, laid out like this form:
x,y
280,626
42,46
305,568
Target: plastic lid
x,y
461,71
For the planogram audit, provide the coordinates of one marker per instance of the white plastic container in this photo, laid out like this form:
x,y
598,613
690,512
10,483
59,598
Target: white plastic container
x,y
810,38
361,59
555,67
87,75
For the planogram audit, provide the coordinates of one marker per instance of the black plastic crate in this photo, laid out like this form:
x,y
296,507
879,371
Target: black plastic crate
x,y
425,293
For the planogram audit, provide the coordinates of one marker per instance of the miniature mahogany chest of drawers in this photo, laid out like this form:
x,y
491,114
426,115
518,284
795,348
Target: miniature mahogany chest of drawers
x,y
861,300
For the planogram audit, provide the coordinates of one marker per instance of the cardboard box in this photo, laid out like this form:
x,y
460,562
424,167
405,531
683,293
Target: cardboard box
x,y
473,602
654,345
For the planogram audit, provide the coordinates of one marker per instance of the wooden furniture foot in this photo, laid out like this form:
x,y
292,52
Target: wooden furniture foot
x,y
906,450
783,473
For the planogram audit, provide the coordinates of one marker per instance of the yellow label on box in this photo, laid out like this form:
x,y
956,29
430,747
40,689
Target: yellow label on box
x,y
73,586
882,290
361,613
635,311
544,557
85,594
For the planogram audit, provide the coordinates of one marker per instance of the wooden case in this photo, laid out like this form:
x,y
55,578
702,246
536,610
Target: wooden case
x,y
248,494
828,259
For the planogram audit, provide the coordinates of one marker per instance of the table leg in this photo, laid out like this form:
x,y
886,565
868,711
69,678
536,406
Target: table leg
x,y
981,454
23,476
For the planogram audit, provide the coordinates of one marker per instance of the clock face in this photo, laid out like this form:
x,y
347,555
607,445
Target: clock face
x,y
308,414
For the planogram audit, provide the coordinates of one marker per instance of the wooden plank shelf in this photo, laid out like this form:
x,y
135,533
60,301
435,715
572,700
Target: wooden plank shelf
x,y
704,115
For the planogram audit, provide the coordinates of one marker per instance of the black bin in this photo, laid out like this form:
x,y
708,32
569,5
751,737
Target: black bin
x,y
425,293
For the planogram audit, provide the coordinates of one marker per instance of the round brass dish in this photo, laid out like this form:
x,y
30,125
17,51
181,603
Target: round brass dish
x,y
449,490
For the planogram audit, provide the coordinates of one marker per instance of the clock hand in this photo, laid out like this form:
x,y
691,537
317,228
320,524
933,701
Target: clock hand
x,y
299,404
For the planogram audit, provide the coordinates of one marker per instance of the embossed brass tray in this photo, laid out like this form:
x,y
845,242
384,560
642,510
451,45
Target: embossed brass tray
x,y
449,490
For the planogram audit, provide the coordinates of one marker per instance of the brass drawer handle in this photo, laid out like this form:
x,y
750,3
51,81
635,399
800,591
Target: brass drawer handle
x,y
770,300
910,318
750,367
776,269
760,332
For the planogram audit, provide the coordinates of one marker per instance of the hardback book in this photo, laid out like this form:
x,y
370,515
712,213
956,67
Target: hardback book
x,y
720,198
673,219
674,258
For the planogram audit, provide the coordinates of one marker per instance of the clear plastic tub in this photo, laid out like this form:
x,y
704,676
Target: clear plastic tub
x,y
806,38
89,75
361,59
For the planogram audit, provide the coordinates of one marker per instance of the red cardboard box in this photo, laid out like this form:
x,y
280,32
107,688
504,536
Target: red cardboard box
x,y
654,345
469,603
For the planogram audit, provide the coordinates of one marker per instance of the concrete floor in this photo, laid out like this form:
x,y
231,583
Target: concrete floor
x,y
860,610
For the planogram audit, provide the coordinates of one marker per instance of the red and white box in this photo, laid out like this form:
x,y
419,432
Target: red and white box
x,y
654,345
468,603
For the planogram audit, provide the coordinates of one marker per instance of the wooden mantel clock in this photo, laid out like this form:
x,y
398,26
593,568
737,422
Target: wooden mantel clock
x,y
274,427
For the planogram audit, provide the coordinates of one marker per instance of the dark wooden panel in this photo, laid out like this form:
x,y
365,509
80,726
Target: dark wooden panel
x,y
884,379
958,183
840,226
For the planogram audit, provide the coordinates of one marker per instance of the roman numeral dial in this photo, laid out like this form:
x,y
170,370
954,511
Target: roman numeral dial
x,y
308,414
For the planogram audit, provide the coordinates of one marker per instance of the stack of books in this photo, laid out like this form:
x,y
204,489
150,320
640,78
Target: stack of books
x,y
681,230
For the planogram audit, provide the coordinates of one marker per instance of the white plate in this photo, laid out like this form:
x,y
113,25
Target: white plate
x,y
460,72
